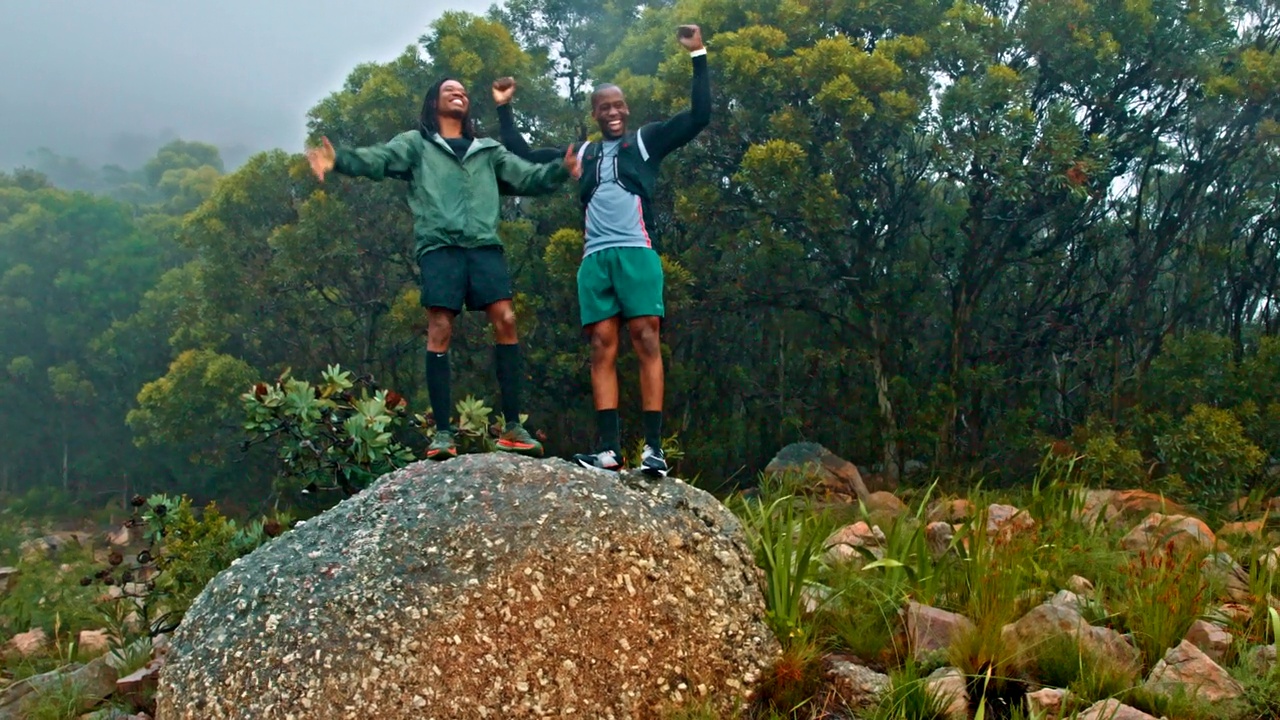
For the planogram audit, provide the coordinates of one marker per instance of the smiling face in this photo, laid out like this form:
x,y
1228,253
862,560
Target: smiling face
x,y
609,108
453,101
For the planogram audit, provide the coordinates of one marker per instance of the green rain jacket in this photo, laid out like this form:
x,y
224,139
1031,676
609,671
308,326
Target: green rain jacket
x,y
455,203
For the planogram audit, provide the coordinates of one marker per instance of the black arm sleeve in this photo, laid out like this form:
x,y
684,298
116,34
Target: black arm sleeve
x,y
663,138
515,142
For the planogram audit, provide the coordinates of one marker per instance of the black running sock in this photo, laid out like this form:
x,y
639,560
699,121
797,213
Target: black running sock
x,y
607,424
507,360
438,388
653,429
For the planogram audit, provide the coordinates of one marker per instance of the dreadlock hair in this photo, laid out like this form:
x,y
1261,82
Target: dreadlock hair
x,y
428,120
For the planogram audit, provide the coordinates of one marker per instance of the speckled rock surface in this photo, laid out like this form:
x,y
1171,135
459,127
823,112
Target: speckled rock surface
x,y
490,586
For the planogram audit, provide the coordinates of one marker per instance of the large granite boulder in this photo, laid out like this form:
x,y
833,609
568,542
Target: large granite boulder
x,y
486,586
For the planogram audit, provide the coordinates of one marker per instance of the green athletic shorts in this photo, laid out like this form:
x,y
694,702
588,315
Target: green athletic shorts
x,y
624,281
451,276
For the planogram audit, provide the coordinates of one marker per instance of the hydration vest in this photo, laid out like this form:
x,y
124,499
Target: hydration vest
x,y
636,171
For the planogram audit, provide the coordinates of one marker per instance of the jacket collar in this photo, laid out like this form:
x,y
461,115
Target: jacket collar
x,y
477,145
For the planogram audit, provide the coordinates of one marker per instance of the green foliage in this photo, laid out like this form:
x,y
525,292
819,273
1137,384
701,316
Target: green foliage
x,y
787,540
47,596
474,431
1210,450
911,698
184,550
63,699
1109,459
861,616
326,435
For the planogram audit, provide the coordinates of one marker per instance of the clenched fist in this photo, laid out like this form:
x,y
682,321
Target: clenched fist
x,y
503,89
690,36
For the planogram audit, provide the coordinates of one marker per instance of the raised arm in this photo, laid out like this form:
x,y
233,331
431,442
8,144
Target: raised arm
x,y
661,139
394,158
511,138
526,178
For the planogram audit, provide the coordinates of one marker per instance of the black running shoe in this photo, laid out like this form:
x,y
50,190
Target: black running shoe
x,y
653,462
603,460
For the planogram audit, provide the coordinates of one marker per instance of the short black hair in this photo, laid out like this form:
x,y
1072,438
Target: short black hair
x,y
595,94
428,119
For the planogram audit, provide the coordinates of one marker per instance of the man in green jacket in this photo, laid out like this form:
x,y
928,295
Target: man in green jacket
x,y
621,278
454,179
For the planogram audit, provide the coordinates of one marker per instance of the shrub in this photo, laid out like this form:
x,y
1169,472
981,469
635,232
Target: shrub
x,y
185,550
1209,450
1108,459
326,434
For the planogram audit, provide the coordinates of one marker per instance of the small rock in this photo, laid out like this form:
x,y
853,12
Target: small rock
x,y
859,688
885,504
1137,503
1233,613
951,511
1067,598
931,631
843,544
948,685
1251,528
1226,575
94,642
1157,530
119,537
1187,667
1113,710
95,682
1260,658
1271,560
1046,703
1080,586
1006,520
939,536
1212,640
8,579
1047,620
28,643
831,472
141,684
1239,506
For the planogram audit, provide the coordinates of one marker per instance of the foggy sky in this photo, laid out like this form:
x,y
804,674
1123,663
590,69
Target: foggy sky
x,y
90,78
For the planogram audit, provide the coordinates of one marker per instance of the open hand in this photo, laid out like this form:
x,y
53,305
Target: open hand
x,y
321,158
503,89
571,163
690,36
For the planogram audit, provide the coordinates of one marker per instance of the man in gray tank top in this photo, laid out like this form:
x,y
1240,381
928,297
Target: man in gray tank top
x,y
621,279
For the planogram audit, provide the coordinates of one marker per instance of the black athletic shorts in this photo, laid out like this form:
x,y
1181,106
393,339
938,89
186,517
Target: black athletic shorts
x,y
454,275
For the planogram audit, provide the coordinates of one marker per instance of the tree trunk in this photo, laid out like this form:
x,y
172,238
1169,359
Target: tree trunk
x,y
892,464
946,431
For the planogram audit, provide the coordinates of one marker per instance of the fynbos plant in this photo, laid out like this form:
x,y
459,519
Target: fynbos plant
x,y
339,433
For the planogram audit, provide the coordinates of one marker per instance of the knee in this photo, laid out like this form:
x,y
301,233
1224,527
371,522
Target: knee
x,y
647,340
604,346
504,320
439,333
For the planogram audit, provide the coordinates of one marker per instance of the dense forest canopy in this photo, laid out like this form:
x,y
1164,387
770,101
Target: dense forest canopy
x,y
922,232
